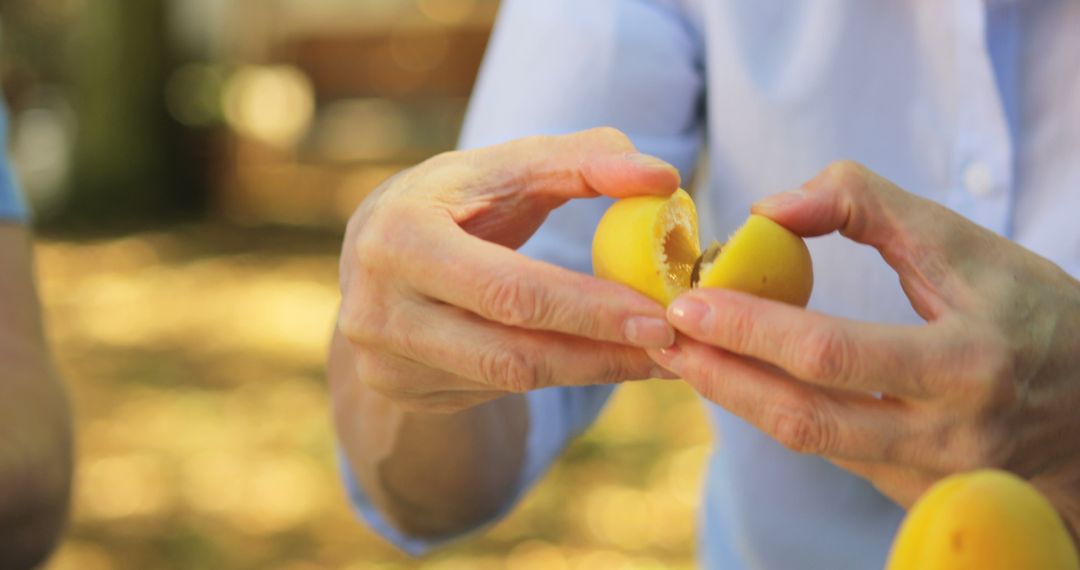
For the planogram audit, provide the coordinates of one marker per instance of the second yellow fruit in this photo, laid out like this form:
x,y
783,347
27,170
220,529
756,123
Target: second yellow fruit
x,y
983,520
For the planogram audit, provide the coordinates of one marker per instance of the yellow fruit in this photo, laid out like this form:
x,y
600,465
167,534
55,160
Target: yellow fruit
x,y
763,258
650,243
983,520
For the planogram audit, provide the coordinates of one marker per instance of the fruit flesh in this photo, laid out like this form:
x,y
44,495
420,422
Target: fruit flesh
x,y
680,256
983,520
651,243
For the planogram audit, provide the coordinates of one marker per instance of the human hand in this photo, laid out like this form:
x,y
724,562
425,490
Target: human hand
x,y
991,380
443,315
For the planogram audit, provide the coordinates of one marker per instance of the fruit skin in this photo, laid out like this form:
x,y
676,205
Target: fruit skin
x,y
765,259
628,246
983,520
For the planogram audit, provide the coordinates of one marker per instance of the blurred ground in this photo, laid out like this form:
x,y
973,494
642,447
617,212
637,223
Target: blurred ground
x,y
194,356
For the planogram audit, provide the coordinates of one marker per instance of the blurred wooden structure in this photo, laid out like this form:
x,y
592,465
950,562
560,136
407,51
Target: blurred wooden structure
x,y
262,111
384,94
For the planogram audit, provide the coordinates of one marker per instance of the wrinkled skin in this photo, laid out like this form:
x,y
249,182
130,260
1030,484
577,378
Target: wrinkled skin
x,y
442,314
992,379
443,326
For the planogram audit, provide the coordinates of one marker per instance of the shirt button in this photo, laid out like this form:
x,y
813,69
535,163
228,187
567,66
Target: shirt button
x,y
978,180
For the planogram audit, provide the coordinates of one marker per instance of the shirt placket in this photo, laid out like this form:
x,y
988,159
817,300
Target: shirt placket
x,y
982,167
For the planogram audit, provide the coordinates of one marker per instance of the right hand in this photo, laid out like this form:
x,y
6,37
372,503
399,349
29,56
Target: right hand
x,y
441,313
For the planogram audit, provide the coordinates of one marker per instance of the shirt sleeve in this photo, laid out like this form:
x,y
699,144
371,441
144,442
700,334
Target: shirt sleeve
x,y
557,67
12,207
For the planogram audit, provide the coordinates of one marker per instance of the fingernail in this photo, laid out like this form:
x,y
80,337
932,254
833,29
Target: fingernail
x,y
782,200
689,314
646,160
648,332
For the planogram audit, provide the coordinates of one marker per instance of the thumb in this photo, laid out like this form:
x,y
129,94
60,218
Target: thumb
x,y
849,198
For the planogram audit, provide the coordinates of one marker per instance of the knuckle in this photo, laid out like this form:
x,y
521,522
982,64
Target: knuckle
x,y
360,321
379,243
511,302
510,369
823,355
846,174
797,428
445,166
626,364
446,171
609,136
377,237
382,240
399,335
737,331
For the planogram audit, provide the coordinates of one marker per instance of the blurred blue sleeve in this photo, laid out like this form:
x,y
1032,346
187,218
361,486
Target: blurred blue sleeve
x,y
556,67
12,207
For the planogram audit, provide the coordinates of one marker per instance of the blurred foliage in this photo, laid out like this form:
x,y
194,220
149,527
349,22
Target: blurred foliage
x,y
195,360
128,156
98,71
167,108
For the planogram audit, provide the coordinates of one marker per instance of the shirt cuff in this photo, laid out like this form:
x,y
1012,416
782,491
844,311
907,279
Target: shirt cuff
x,y
12,207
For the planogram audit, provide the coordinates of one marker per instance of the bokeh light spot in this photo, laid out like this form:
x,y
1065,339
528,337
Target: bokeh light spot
x,y
124,486
273,104
536,555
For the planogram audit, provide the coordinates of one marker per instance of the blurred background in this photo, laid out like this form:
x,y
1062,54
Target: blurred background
x,y
191,164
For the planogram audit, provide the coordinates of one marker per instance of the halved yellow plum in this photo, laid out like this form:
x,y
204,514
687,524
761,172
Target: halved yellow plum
x,y
650,243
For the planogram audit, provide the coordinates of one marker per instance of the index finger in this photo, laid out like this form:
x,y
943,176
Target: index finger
x,y
502,285
595,162
902,360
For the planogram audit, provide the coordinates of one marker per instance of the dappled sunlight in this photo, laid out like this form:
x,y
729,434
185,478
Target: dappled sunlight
x,y
194,357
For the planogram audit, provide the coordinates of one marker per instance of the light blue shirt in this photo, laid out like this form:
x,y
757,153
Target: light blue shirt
x,y
972,103
11,205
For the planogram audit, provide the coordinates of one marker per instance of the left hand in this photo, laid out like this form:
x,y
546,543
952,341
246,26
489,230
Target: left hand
x,y
992,379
